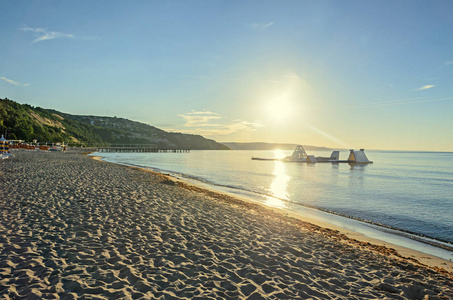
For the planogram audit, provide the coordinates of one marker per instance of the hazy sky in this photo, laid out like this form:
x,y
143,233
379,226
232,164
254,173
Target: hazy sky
x,y
371,74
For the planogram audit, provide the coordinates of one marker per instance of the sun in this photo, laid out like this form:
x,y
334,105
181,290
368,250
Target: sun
x,y
282,102
280,109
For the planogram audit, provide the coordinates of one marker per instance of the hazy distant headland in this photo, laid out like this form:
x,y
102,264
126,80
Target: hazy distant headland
x,y
269,146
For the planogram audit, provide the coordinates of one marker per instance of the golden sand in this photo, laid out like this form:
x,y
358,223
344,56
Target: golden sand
x,y
74,227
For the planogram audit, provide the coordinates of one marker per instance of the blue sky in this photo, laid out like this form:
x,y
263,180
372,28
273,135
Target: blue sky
x,y
372,74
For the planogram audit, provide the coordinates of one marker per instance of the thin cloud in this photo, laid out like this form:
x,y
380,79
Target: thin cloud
x,y
408,101
450,62
426,87
261,26
42,34
203,112
230,79
207,123
397,102
199,118
14,82
221,129
210,78
242,125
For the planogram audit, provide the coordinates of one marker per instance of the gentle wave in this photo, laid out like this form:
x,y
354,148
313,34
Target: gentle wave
x,y
383,189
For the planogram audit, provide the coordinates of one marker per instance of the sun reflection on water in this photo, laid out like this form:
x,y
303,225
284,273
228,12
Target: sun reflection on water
x,y
279,186
279,154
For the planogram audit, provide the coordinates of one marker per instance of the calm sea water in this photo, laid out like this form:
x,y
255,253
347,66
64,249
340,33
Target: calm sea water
x,y
407,191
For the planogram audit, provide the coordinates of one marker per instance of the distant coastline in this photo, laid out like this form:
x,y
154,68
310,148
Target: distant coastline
x,y
288,146
270,146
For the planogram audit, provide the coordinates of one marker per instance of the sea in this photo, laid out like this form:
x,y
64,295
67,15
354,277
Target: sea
x,y
404,198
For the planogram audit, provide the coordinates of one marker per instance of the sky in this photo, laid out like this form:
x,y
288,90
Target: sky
x,y
341,74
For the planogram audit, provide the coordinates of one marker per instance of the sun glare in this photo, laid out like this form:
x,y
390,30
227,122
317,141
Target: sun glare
x,y
279,154
283,102
279,186
280,109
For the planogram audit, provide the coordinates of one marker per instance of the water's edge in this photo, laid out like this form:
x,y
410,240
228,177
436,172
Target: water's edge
x,y
385,233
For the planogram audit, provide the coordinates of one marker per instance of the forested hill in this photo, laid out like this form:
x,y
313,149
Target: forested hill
x,y
25,122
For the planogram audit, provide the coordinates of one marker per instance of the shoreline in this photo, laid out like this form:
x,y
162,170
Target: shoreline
x,y
356,237
374,229
72,226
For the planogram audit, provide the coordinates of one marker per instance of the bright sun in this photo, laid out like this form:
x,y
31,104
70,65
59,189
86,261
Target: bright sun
x,y
282,102
280,109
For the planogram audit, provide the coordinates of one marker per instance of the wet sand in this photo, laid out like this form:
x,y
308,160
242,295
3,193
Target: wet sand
x,y
73,227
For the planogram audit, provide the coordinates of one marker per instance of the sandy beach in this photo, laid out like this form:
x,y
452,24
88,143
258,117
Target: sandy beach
x,y
74,227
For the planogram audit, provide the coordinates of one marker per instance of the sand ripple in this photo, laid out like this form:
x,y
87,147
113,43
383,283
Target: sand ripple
x,y
72,227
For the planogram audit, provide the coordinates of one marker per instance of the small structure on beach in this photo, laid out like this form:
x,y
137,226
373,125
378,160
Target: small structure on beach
x,y
4,148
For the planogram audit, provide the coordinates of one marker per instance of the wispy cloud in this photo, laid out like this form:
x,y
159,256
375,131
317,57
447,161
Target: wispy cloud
x,y
448,63
426,87
14,82
208,123
43,34
396,102
203,112
410,101
242,125
261,26
241,79
199,118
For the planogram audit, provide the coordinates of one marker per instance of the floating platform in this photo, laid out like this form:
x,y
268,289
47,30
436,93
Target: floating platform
x,y
258,158
300,156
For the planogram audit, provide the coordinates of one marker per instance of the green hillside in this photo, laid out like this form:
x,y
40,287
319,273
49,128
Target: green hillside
x,y
25,122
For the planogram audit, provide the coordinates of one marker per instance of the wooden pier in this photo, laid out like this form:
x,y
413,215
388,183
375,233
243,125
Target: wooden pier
x,y
140,148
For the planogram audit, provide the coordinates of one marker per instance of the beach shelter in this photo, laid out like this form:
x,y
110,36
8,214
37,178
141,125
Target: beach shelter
x,y
358,157
4,145
4,148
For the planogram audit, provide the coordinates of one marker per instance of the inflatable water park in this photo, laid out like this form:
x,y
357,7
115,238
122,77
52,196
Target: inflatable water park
x,y
300,156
